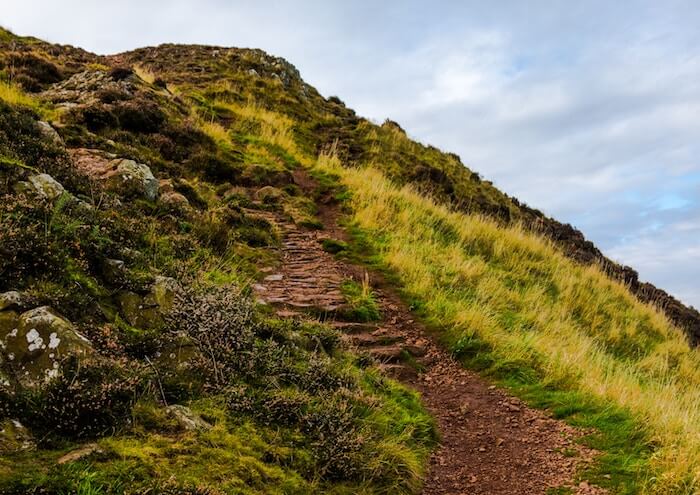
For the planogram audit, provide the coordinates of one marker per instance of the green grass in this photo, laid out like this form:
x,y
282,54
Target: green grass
x,y
361,302
334,246
238,455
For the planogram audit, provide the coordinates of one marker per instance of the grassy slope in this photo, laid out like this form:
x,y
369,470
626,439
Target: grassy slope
x,y
563,335
301,416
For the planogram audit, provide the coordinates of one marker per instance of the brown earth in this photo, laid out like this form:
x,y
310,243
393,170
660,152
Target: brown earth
x,y
491,443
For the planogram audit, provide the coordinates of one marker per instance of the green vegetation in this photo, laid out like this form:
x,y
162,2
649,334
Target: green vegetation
x,y
562,335
334,246
159,287
306,423
362,305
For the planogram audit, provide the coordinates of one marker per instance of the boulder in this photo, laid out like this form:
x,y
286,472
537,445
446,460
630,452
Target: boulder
x,y
147,311
14,437
180,352
49,133
136,312
120,175
35,343
137,177
42,185
163,293
84,88
113,270
10,300
187,420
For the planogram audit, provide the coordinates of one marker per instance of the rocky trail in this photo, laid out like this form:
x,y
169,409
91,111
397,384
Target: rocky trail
x,y
491,443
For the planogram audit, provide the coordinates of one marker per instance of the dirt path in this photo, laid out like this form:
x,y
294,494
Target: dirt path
x,y
491,443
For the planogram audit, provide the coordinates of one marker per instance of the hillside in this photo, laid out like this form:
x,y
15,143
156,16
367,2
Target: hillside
x,y
210,277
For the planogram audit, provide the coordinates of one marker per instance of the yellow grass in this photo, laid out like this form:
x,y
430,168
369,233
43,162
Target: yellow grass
x,y
145,73
215,131
516,292
15,96
271,127
12,94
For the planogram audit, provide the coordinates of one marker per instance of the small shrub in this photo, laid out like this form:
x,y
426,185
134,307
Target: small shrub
x,y
362,304
97,117
139,115
88,399
334,246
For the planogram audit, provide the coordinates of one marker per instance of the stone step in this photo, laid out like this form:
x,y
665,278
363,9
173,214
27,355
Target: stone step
x,y
399,371
353,327
387,353
371,339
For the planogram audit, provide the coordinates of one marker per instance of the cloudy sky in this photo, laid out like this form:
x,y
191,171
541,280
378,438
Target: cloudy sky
x,y
587,110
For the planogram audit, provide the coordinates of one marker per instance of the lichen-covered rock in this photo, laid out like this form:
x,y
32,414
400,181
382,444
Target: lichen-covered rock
x,y
136,176
180,352
122,176
41,185
84,87
35,343
147,311
10,300
136,312
187,420
14,437
49,132
163,293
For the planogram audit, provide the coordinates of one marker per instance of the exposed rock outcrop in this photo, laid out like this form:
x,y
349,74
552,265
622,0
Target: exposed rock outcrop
x,y
120,175
42,186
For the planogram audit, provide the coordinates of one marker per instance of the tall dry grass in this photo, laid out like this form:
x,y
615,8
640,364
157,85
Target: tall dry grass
x,y
537,308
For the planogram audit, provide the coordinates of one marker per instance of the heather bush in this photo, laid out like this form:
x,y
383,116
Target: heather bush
x,y
88,399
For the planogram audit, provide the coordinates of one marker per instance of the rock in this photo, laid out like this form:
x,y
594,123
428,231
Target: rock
x,y
163,292
113,270
36,342
512,407
41,185
80,453
170,197
84,88
122,176
165,186
269,195
176,201
179,352
140,176
8,323
147,311
49,132
14,437
10,300
187,420
136,312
